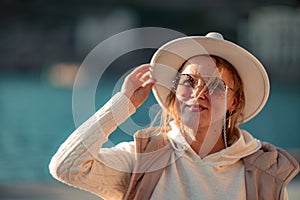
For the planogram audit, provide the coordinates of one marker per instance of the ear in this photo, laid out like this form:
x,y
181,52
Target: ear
x,y
232,103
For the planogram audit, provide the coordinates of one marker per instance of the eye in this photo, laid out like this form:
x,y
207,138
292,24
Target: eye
x,y
186,80
187,83
215,84
221,86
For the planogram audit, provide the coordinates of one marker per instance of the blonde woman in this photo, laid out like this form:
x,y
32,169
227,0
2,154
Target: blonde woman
x,y
206,87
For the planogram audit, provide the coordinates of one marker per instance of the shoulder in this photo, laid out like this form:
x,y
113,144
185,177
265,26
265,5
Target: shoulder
x,y
274,161
150,139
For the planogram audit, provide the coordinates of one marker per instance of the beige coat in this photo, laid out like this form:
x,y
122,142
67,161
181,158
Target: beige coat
x,y
267,171
113,173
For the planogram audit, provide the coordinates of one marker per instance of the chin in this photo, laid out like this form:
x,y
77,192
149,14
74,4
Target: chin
x,y
192,121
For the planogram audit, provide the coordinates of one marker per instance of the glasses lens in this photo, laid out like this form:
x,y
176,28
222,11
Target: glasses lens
x,y
215,85
186,80
186,84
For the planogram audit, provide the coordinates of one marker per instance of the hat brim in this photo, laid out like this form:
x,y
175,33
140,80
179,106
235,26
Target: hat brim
x,y
167,60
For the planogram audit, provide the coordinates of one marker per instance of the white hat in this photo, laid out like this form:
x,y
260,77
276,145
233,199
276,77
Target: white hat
x,y
168,59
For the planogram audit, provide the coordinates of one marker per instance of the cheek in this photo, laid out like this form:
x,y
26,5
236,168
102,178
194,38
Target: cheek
x,y
180,110
183,94
218,108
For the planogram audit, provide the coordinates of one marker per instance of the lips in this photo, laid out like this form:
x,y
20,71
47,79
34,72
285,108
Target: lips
x,y
193,105
197,108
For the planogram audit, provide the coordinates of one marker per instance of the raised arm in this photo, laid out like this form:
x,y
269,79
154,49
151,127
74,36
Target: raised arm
x,y
82,163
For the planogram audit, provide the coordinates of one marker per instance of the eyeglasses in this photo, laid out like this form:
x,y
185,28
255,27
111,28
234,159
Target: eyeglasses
x,y
185,84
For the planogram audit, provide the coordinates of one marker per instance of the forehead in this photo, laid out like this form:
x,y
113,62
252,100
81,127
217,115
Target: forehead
x,y
202,66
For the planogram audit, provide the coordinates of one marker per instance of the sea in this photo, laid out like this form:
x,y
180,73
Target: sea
x,y
36,116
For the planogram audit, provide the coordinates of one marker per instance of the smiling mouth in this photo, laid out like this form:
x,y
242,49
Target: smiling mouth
x,y
196,108
193,105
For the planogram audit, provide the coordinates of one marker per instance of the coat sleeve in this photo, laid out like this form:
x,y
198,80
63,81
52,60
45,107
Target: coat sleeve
x,y
81,162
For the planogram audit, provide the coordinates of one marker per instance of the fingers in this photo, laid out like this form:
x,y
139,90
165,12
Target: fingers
x,y
138,78
139,71
138,84
142,69
143,75
147,80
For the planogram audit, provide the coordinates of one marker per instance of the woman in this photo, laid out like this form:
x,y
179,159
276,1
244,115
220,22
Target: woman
x,y
206,86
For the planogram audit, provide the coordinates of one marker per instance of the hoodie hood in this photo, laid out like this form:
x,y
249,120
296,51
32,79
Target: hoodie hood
x,y
244,145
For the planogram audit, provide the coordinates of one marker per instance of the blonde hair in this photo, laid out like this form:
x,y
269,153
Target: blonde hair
x,y
233,118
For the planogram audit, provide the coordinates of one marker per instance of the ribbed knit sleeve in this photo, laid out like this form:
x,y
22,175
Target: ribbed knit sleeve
x,y
80,162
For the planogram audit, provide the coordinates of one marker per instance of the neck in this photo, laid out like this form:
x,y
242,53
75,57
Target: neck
x,y
206,140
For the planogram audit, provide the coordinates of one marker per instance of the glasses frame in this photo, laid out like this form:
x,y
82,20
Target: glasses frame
x,y
203,85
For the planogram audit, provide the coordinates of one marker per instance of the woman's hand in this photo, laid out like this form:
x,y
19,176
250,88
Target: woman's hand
x,y
138,84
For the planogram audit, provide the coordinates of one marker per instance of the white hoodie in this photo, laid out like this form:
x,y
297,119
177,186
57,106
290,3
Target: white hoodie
x,y
216,176
82,163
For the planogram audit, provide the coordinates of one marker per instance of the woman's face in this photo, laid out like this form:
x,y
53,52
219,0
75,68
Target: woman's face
x,y
204,93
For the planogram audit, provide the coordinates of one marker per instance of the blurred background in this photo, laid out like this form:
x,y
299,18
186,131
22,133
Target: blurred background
x,y
43,43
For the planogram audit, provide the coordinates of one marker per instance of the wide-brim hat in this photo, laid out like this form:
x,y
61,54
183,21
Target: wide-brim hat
x,y
169,58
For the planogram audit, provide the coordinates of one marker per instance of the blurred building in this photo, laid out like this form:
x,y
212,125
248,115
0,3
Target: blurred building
x,y
272,34
37,34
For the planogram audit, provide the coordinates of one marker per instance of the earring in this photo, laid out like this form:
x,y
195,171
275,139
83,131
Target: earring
x,y
229,120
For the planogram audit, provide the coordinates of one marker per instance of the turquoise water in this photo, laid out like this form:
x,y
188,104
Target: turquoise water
x,y
36,117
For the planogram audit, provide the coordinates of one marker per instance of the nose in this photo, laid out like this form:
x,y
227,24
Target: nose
x,y
200,91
